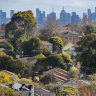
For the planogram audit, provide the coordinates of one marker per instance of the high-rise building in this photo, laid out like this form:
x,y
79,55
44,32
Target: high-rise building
x,y
89,13
40,16
11,13
63,18
75,19
51,16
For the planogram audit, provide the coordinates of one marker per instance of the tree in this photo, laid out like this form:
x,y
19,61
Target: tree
x,y
50,24
86,53
7,92
10,64
32,47
67,91
4,78
49,62
21,23
57,43
8,46
90,29
73,72
66,58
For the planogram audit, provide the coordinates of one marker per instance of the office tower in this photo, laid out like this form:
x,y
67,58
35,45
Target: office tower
x,y
75,19
69,18
11,13
52,16
40,16
89,13
63,18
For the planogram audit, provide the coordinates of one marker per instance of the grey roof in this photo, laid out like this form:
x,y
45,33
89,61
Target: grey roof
x,y
75,84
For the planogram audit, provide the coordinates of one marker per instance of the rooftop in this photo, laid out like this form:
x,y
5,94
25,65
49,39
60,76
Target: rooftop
x,y
46,43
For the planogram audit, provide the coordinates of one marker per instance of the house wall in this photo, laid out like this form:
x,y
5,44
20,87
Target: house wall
x,y
49,47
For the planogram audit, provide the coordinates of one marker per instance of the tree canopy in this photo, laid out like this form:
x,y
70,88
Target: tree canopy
x,y
49,62
90,29
57,43
86,53
10,64
32,47
21,24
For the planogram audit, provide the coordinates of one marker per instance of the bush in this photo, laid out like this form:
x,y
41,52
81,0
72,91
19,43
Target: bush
x,y
40,56
7,92
52,87
67,91
66,57
47,79
10,64
4,78
73,72
57,43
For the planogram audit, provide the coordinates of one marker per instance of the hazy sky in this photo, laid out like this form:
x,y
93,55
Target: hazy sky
x,y
79,6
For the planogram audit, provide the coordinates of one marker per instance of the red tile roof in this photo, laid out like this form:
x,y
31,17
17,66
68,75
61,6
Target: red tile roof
x,y
46,43
1,30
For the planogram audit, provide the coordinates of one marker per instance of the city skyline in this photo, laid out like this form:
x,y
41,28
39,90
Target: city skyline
x,y
79,6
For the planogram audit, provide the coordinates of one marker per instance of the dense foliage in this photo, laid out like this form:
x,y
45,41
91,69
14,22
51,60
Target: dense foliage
x,y
66,58
4,78
90,29
7,92
32,47
10,64
20,28
86,52
73,72
57,43
67,91
49,62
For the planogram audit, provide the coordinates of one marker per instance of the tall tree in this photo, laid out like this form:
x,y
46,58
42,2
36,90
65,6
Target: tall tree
x,y
86,52
21,23
57,43
32,47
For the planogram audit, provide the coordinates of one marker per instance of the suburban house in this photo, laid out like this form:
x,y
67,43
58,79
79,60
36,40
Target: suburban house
x,y
28,90
2,33
10,74
70,49
68,35
60,75
47,45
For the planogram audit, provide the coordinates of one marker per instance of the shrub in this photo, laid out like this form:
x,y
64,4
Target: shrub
x,y
73,72
47,79
66,57
4,78
40,56
67,91
7,92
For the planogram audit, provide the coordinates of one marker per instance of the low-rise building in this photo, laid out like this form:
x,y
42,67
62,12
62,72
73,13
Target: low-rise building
x,y
47,45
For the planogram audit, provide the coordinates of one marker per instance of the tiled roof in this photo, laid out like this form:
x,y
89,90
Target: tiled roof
x,y
10,74
46,43
69,45
2,30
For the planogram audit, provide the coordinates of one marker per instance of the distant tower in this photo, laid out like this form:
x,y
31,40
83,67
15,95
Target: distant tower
x,y
11,13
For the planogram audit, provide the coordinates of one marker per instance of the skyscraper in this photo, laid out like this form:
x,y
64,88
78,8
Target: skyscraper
x,y
63,18
75,19
11,13
89,13
40,16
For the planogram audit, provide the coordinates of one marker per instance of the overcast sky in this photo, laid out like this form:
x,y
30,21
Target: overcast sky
x,y
79,6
